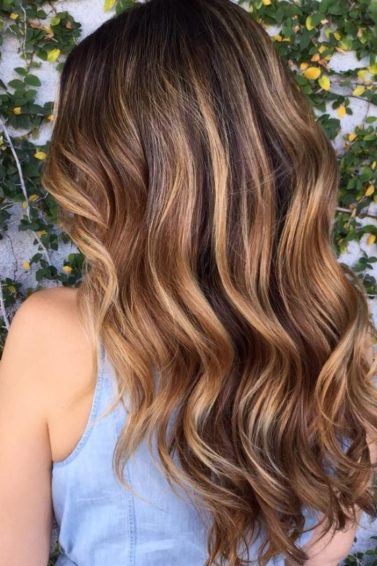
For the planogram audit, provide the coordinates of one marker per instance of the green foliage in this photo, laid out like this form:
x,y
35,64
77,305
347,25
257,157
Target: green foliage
x,y
367,558
42,35
309,34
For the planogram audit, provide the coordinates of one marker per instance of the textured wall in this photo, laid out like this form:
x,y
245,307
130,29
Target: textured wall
x,y
17,246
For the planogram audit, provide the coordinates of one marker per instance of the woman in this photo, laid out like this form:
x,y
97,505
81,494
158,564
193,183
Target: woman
x,y
206,394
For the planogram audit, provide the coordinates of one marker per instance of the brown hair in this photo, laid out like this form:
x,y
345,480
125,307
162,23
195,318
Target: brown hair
x,y
190,171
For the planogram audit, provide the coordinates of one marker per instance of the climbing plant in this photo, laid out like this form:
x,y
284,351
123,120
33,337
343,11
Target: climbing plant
x,y
306,33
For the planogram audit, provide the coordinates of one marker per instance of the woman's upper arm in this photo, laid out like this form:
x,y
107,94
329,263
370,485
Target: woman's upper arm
x,y
25,458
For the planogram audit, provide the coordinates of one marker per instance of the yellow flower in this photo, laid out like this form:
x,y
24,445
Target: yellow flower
x,y
12,289
352,136
277,37
362,73
316,57
373,69
374,165
369,191
33,197
303,66
67,269
344,45
53,54
337,35
324,82
41,233
109,4
17,110
26,265
50,117
358,90
40,155
13,16
24,204
341,110
312,73
371,239
266,2
309,23
322,48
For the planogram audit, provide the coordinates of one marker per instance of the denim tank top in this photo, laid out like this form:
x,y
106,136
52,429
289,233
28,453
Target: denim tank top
x,y
102,523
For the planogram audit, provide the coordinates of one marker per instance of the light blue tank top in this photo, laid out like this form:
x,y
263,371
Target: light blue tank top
x,y
100,523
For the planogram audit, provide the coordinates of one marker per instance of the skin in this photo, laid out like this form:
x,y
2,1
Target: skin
x,y
46,374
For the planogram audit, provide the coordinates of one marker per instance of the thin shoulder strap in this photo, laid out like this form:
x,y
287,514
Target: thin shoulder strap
x,y
100,388
106,388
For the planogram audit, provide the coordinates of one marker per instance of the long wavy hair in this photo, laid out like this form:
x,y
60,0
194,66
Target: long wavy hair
x,y
189,169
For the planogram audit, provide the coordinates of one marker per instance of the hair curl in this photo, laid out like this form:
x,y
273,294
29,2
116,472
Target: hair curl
x,y
190,171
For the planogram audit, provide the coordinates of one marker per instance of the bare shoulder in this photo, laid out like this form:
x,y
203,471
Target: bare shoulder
x,y
57,306
48,358
46,331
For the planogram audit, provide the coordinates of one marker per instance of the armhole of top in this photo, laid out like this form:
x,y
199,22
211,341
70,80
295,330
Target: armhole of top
x,y
92,413
311,522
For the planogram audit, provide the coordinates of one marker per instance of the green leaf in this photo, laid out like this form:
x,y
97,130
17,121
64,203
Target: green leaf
x,y
316,18
305,39
20,70
16,83
372,10
32,80
338,7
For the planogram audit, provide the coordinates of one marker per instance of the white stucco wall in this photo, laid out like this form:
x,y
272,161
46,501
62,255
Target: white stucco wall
x,y
17,246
